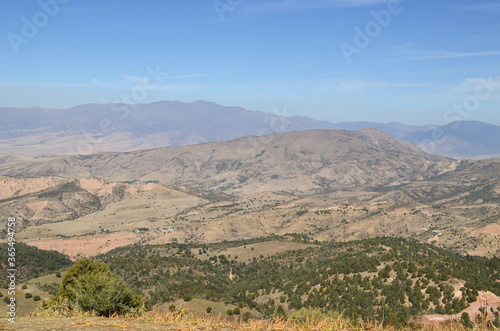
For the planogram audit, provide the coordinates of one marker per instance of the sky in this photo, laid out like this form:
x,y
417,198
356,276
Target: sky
x,y
416,62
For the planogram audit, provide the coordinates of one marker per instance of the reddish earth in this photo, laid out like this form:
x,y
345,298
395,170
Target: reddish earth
x,y
10,187
86,247
480,251
485,299
493,229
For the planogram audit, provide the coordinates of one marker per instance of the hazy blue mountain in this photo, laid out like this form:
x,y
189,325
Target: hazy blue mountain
x,y
94,128
460,139
165,123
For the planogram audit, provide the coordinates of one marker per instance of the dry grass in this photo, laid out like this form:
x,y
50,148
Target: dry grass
x,y
182,319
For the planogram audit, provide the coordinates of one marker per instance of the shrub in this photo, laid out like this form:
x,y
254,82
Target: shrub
x,y
37,298
188,297
246,316
92,287
24,287
230,312
209,310
236,311
28,295
465,320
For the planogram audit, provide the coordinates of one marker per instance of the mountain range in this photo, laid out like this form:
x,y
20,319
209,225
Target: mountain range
x,y
93,128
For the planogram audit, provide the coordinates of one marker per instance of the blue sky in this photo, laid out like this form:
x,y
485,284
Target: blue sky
x,y
421,62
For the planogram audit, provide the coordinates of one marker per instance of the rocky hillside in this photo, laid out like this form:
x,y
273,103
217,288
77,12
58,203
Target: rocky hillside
x,y
306,161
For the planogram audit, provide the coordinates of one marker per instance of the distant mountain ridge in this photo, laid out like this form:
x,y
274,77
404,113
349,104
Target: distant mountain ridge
x,y
460,139
93,128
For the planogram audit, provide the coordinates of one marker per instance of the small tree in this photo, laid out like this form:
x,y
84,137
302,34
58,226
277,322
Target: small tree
x,y
92,287
465,320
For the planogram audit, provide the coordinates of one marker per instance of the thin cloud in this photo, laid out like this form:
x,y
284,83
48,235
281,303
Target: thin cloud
x,y
470,85
133,79
282,5
407,51
137,79
487,7
188,76
96,8
361,85
21,84
434,55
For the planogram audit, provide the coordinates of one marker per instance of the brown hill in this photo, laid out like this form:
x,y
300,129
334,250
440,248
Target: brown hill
x,y
306,161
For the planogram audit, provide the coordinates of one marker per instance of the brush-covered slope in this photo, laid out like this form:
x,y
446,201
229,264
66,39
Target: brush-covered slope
x,y
390,279
30,262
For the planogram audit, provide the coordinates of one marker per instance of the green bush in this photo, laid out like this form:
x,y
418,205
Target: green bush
x,y
465,320
37,298
92,287
209,310
28,295
230,312
236,311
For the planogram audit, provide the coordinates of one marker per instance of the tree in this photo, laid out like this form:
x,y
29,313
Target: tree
x,y
465,320
92,287
280,312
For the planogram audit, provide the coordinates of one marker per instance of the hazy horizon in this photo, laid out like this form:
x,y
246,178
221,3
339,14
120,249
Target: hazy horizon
x,y
380,61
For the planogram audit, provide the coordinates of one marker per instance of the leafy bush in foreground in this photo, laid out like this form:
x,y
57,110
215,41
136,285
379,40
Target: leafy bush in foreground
x,y
92,287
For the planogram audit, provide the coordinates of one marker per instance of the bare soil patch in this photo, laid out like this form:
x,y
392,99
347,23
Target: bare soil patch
x,y
88,246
